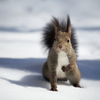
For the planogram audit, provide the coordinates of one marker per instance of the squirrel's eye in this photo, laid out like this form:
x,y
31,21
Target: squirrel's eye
x,y
68,41
54,39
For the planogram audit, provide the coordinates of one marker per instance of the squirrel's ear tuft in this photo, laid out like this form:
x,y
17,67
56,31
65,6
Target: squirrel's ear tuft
x,y
55,23
68,25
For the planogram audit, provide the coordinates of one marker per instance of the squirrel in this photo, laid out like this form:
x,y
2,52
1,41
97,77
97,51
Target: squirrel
x,y
59,38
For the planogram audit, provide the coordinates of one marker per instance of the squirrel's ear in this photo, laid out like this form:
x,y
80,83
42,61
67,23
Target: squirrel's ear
x,y
55,23
68,25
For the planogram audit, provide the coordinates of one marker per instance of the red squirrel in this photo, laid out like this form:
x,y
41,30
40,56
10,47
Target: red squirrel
x,y
61,63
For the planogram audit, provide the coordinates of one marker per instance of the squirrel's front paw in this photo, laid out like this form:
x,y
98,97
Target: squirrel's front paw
x,y
64,69
68,68
53,89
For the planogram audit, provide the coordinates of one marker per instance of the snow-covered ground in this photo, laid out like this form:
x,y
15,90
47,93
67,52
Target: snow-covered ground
x,y
22,55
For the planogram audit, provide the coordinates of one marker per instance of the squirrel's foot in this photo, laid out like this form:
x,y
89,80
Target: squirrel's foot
x,y
76,85
68,68
53,89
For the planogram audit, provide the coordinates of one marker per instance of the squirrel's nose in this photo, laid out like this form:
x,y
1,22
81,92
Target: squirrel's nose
x,y
60,46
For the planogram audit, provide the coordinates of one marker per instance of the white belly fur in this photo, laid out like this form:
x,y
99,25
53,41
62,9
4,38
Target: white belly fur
x,y
62,61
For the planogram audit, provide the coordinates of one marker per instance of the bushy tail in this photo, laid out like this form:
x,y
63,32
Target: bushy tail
x,y
49,34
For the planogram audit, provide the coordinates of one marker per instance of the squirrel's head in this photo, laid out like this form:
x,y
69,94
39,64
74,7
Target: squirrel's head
x,y
62,41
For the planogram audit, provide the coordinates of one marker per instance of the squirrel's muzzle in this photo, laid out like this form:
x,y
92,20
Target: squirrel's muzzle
x,y
60,46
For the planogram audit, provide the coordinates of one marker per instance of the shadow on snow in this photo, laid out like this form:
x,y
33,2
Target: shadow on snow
x,y
89,69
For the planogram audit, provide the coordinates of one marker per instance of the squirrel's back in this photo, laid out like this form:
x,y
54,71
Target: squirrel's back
x,y
49,34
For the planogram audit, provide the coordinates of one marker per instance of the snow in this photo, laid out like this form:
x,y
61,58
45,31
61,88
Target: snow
x,y
22,55
21,79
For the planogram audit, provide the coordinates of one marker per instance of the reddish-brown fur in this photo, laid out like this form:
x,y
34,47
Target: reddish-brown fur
x,y
62,43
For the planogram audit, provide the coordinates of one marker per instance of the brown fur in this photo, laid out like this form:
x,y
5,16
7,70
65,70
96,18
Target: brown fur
x,y
62,43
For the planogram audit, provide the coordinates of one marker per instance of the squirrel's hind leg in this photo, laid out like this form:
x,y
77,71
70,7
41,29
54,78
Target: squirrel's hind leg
x,y
45,71
77,85
74,78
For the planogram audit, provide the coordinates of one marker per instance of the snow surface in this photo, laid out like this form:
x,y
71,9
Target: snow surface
x,y
22,55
